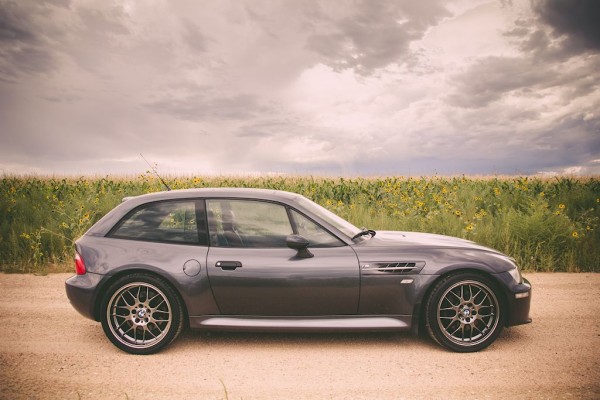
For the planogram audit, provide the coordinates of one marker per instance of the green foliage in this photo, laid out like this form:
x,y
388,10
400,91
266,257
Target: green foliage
x,y
546,224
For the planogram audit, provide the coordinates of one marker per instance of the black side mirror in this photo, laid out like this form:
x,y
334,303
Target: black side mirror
x,y
300,244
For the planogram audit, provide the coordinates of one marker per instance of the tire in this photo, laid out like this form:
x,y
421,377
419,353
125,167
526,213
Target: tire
x,y
141,314
464,312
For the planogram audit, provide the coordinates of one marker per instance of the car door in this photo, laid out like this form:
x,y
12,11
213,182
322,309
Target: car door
x,y
253,272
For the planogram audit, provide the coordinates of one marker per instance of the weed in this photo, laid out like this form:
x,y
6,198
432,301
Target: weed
x,y
545,224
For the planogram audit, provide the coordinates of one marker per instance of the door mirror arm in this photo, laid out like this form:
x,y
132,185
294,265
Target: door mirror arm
x,y
299,244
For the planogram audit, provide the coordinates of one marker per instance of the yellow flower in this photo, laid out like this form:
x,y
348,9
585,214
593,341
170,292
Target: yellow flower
x,y
575,234
561,206
458,213
469,227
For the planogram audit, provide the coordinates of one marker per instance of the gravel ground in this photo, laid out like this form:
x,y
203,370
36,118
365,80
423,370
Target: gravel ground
x,y
47,350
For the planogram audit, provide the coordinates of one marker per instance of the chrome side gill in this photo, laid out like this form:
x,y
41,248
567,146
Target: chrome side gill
x,y
394,267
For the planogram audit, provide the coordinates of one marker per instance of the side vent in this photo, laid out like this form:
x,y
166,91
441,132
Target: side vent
x,y
402,268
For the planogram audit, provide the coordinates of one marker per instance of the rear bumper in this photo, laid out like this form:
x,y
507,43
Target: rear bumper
x,y
519,304
81,291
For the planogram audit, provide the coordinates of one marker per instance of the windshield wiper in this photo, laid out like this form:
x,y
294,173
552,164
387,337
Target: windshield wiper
x,y
363,232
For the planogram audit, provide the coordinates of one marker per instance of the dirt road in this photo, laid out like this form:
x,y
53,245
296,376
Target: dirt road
x,y
47,350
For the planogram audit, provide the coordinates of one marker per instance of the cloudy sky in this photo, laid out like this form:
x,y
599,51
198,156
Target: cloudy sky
x,y
326,87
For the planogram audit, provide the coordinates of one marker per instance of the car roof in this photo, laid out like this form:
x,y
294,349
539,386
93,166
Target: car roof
x,y
226,192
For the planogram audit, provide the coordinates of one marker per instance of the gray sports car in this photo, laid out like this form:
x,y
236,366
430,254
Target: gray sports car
x,y
266,260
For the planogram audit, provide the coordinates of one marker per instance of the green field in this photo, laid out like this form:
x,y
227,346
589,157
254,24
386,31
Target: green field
x,y
548,224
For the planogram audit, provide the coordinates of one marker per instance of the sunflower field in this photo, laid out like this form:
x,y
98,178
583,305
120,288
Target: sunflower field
x,y
546,224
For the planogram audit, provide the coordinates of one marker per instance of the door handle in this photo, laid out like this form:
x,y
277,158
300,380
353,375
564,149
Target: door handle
x,y
228,265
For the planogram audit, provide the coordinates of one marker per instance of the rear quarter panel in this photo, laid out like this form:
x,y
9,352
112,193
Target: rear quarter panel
x,y
113,257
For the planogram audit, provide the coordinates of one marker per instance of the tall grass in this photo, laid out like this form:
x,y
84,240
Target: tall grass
x,y
546,224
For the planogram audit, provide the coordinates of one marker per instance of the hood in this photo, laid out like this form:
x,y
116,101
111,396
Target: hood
x,y
409,240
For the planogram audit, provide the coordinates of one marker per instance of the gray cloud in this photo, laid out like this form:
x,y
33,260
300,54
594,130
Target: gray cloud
x,y
14,25
559,29
489,79
103,22
557,33
193,37
23,50
269,128
374,35
324,87
37,35
577,19
200,106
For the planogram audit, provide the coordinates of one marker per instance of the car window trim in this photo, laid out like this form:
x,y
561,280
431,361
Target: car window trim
x,y
296,231
284,205
291,220
196,201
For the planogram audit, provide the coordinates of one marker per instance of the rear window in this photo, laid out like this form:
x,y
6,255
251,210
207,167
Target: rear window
x,y
169,221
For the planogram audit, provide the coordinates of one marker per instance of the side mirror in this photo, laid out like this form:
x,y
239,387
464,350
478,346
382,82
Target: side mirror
x,y
300,244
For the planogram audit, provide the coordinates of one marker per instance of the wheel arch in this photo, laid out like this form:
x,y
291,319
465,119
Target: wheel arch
x,y
100,292
419,312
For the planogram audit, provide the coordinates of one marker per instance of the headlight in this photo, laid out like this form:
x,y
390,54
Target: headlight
x,y
514,271
516,274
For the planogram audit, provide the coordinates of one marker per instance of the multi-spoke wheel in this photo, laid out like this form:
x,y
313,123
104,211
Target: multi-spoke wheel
x,y
141,314
464,312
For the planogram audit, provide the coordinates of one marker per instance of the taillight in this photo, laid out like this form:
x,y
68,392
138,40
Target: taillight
x,y
79,265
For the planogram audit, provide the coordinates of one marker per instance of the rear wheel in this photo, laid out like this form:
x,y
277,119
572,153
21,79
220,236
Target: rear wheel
x,y
464,312
141,314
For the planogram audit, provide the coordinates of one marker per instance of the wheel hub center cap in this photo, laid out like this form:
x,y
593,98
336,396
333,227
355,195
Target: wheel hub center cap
x,y
142,313
466,312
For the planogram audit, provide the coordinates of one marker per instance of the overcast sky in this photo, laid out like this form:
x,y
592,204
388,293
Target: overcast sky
x,y
325,87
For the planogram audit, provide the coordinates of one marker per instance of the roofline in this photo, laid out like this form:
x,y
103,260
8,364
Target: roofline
x,y
220,192
103,226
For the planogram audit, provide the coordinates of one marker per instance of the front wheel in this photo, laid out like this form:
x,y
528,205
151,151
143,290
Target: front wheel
x,y
141,314
464,312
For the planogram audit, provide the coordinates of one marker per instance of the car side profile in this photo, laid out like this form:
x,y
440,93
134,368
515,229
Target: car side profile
x,y
266,260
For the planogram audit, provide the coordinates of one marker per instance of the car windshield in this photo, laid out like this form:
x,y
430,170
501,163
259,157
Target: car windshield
x,y
341,224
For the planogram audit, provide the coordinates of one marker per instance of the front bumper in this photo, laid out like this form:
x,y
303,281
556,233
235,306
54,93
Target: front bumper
x,y
519,304
81,291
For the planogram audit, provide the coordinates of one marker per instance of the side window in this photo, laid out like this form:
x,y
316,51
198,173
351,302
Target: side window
x,y
317,236
247,223
169,221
